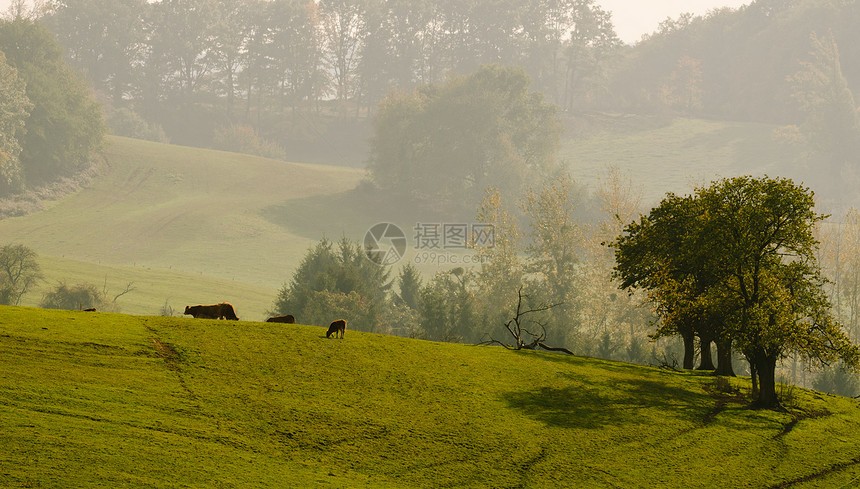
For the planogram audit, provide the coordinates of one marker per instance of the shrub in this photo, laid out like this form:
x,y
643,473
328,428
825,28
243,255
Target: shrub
x,y
77,297
243,139
128,123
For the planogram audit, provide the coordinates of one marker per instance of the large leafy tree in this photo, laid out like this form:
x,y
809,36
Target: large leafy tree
x,y
750,242
763,231
453,140
65,125
650,255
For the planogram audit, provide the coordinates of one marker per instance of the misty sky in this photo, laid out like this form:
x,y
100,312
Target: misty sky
x,y
632,18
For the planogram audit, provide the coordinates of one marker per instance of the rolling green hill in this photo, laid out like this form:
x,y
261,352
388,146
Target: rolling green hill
x,y
185,209
108,400
184,224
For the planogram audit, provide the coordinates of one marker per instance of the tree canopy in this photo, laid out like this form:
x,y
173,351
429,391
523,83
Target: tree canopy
x,y
14,109
65,124
448,141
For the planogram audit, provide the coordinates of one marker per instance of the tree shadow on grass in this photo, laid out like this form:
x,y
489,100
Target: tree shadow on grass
x,y
352,212
311,217
602,404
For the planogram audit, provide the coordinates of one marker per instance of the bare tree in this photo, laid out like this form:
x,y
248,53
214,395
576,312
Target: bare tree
x,y
129,287
527,339
19,271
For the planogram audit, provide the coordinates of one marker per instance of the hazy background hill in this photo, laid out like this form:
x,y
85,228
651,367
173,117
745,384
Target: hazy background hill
x,y
193,211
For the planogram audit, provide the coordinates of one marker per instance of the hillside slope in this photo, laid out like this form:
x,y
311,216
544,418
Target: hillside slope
x,y
185,209
153,288
666,154
92,399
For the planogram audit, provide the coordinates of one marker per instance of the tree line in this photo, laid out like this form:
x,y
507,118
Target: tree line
x,y
195,65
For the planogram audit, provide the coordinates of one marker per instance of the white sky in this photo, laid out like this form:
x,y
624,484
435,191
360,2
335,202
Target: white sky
x,y
632,18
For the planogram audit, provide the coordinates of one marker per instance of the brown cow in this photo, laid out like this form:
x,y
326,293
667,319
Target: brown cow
x,y
335,327
289,319
223,310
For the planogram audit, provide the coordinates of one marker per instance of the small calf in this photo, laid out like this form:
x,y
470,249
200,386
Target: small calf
x,y
336,327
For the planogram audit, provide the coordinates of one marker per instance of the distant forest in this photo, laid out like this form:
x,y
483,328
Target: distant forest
x,y
299,79
270,63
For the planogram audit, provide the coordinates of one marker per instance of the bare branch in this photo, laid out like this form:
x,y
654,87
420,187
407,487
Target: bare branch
x,y
128,288
516,328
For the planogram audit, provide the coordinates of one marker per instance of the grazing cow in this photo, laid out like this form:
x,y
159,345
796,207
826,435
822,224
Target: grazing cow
x,y
335,327
289,319
223,310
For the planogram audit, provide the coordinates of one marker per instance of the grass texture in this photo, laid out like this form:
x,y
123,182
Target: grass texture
x,y
110,400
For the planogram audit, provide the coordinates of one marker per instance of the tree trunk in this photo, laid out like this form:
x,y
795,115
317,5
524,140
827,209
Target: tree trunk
x,y
766,367
753,377
706,362
689,349
724,358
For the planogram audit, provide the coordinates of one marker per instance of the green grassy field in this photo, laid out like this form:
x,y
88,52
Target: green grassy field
x,y
108,400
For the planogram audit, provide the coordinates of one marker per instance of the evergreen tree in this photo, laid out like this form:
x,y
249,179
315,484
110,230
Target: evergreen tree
x,y
340,282
409,282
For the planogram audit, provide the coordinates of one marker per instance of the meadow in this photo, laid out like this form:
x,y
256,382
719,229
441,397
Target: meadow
x,y
183,224
112,400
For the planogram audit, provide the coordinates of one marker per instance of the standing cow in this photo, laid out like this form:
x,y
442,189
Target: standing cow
x,y
223,310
